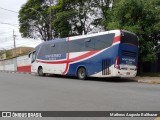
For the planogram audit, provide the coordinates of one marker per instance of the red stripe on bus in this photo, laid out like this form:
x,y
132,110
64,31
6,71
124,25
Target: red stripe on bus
x,y
117,39
84,56
73,59
67,64
57,62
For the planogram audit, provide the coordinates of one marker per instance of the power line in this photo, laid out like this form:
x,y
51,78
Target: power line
x,y
24,42
8,10
15,25
20,41
8,46
7,32
7,37
18,45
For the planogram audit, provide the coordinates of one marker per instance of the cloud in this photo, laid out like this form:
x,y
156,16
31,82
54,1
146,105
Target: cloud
x,y
6,30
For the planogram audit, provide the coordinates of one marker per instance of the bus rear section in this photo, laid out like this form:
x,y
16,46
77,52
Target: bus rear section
x,y
127,56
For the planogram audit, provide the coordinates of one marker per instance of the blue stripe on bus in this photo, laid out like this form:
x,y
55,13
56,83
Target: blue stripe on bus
x,y
93,65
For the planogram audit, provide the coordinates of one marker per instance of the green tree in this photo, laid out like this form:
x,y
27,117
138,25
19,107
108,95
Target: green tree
x,y
61,18
35,19
81,16
140,17
63,13
5,54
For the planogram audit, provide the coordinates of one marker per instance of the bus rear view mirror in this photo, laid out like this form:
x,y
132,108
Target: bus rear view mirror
x,y
29,55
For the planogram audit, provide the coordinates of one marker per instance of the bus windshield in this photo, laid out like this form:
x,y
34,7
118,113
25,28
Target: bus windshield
x,y
129,38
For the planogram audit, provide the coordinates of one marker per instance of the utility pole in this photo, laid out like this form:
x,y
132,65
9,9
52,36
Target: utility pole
x,y
15,54
14,41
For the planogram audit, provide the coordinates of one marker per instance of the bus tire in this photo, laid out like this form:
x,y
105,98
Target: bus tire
x,y
40,71
81,73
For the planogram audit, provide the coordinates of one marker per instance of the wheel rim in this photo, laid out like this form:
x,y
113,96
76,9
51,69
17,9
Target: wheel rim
x,y
82,73
40,71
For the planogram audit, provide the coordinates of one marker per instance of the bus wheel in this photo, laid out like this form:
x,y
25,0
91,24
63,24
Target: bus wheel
x,y
81,74
40,71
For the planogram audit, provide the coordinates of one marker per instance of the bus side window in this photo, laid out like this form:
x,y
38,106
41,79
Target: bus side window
x,y
33,57
89,44
58,48
103,41
76,45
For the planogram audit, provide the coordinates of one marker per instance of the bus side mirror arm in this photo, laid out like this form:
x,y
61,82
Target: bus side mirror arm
x,y
29,55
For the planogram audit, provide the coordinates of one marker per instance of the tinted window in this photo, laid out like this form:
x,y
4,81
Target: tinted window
x,y
76,45
103,41
89,44
52,48
33,57
59,48
92,43
37,49
129,38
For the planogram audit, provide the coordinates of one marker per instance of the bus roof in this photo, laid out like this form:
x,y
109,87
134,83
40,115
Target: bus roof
x,y
117,33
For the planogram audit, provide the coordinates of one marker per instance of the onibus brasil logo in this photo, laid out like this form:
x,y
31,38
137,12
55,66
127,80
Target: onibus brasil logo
x,y
21,114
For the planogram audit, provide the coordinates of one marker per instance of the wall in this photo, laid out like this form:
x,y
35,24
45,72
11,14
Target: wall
x,y
24,64
10,65
1,65
20,64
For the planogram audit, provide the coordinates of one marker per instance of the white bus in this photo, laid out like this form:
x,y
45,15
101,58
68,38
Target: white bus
x,y
105,54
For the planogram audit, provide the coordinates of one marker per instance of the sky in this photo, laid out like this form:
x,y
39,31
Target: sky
x,y
11,18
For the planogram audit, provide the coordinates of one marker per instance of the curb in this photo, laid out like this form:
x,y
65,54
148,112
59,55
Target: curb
x,y
157,118
149,81
17,72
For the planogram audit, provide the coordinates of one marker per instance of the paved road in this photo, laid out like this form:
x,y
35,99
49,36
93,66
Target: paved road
x,y
19,92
